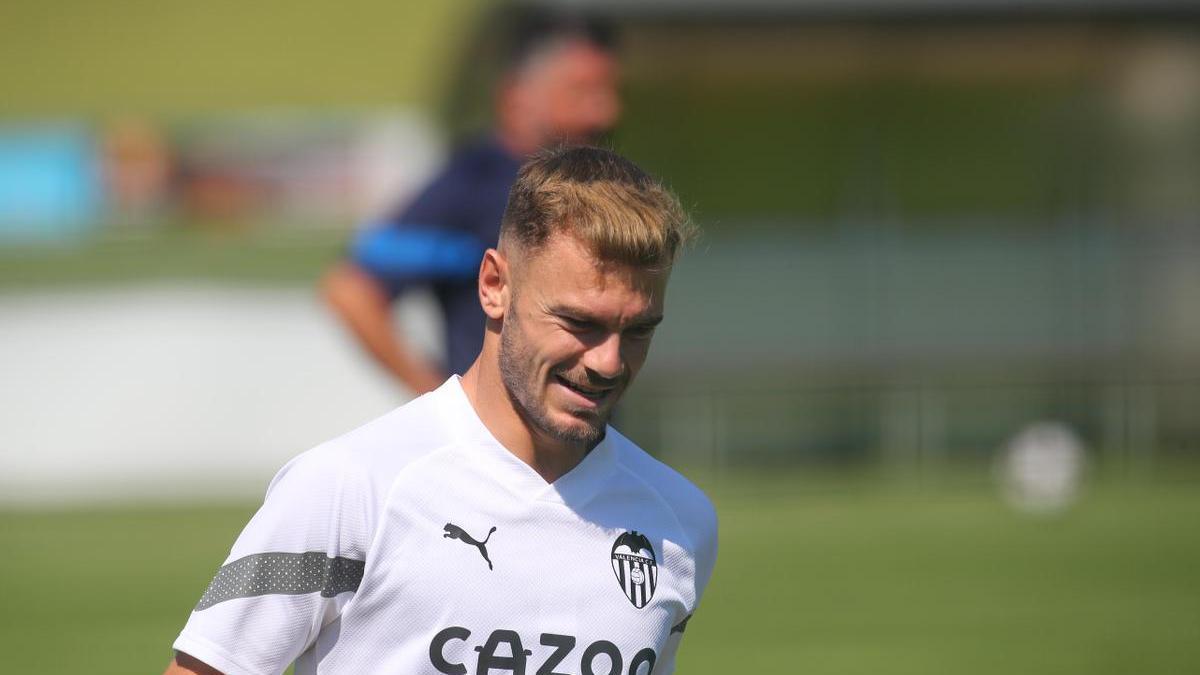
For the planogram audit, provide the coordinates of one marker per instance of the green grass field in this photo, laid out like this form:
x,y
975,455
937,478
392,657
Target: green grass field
x,y
815,576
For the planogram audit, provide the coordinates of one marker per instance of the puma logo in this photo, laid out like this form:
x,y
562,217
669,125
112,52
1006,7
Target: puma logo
x,y
455,532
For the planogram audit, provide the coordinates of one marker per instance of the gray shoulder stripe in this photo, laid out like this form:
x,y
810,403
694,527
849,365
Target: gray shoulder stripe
x,y
283,574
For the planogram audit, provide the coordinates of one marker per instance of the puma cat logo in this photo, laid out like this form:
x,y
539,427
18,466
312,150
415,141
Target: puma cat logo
x,y
455,532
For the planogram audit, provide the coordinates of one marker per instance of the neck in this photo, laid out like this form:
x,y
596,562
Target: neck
x,y
489,397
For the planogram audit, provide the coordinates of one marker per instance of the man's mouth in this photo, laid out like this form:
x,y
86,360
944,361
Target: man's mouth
x,y
593,394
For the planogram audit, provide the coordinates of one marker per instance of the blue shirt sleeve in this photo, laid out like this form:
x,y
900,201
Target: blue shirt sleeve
x,y
430,241
406,254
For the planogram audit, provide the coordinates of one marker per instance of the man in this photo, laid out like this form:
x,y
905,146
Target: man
x,y
496,524
560,88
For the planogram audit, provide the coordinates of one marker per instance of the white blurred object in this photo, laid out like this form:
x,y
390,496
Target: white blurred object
x,y
396,156
1041,468
173,392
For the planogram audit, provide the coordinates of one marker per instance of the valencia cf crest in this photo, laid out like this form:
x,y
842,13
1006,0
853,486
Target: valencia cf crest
x,y
636,567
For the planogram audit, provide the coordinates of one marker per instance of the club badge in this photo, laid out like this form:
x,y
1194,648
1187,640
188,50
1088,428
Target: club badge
x,y
636,567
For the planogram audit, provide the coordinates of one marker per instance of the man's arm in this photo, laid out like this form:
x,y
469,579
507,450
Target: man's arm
x,y
183,664
289,574
364,307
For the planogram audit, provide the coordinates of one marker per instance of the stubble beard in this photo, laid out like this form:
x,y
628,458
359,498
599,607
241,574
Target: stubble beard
x,y
516,371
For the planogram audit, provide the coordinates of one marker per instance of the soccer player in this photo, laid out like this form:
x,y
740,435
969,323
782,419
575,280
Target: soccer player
x,y
496,524
560,87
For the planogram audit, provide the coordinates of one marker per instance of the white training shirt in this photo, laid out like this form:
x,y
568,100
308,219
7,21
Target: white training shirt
x,y
375,553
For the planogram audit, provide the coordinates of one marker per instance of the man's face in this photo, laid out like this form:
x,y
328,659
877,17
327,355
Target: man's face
x,y
575,333
571,93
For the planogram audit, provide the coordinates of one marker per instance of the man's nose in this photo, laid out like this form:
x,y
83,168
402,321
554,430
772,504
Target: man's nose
x,y
604,358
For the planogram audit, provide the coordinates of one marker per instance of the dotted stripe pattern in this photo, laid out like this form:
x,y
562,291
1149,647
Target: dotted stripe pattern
x,y
283,574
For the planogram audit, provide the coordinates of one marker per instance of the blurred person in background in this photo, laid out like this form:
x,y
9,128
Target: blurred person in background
x,y
137,167
559,86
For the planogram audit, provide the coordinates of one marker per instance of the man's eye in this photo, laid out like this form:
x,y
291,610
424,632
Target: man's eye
x,y
576,325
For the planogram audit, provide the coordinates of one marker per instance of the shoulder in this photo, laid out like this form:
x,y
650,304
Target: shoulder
x,y
370,457
481,159
691,507
332,497
468,193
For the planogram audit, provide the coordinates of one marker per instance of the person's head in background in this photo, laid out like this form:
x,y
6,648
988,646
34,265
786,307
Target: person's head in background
x,y
559,84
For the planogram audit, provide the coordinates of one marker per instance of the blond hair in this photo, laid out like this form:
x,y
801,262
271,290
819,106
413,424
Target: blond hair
x,y
605,201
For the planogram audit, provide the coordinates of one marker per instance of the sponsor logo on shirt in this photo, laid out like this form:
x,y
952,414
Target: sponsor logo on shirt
x,y
504,652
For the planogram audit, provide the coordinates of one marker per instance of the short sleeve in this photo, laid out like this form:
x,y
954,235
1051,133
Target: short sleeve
x,y
706,551
429,241
705,561
291,571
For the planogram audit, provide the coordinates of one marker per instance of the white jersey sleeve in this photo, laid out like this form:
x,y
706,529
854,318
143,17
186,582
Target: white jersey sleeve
x,y
706,559
290,572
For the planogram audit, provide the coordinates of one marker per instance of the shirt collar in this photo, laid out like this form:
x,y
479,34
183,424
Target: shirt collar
x,y
574,488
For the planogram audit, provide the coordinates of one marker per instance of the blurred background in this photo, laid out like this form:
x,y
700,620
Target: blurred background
x,y
936,357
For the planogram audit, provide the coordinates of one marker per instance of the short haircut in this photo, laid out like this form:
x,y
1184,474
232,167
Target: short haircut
x,y
607,202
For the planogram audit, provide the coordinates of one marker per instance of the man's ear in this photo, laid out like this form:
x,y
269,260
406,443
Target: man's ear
x,y
494,284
